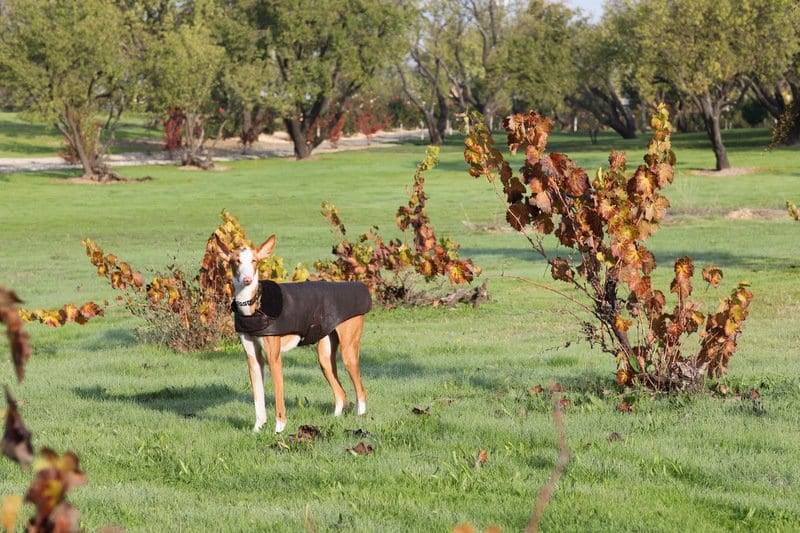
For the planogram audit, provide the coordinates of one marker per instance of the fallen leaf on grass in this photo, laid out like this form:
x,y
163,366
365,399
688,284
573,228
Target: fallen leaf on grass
x,y
536,389
753,394
564,403
305,433
16,443
420,410
482,458
625,407
362,448
723,389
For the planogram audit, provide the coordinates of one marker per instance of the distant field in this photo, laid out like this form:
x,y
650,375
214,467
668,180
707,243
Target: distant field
x,y
165,438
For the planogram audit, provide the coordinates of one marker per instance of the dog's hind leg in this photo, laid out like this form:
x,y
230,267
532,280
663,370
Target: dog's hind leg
x,y
326,350
350,336
255,367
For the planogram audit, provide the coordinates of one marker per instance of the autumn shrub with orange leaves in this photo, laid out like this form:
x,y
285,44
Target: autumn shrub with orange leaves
x,y
794,211
393,269
54,475
191,313
604,222
184,312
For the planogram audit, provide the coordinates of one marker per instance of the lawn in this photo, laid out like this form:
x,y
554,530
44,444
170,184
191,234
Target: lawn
x,y
27,138
165,438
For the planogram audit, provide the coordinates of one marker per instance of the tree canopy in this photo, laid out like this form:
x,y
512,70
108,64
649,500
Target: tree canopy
x,y
66,62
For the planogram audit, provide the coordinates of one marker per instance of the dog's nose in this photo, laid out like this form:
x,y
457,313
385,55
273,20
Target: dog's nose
x,y
247,280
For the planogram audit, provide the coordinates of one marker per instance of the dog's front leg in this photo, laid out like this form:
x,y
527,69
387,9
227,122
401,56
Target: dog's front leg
x,y
272,347
255,367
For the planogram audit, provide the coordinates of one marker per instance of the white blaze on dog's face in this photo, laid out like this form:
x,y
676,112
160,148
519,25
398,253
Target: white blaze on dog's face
x,y
245,268
244,263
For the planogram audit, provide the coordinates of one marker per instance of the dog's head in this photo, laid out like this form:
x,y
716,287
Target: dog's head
x,y
244,261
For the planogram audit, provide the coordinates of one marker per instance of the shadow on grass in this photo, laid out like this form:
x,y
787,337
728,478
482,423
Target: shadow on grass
x,y
725,259
663,259
183,401
191,401
390,369
587,382
114,338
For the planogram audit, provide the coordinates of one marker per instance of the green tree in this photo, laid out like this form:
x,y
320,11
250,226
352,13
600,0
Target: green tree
x,y
68,63
710,49
324,51
602,57
249,90
780,95
540,60
476,54
423,73
183,67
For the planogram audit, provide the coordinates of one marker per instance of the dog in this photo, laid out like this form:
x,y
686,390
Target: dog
x,y
272,318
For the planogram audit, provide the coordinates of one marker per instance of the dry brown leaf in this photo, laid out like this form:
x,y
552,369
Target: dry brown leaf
x,y
625,407
305,434
18,338
362,448
16,443
482,458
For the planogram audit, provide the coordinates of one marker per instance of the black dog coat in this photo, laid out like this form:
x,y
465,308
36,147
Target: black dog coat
x,y
311,309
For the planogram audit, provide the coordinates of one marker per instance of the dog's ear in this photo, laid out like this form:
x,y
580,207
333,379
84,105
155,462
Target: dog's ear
x,y
223,251
266,248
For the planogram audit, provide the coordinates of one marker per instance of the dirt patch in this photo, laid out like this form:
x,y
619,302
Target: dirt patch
x,y
215,168
728,172
80,180
747,213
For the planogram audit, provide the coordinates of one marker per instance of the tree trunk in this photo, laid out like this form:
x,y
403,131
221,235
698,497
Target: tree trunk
x,y
792,137
787,130
434,135
83,146
246,133
711,119
606,105
624,125
194,133
441,116
77,141
298,135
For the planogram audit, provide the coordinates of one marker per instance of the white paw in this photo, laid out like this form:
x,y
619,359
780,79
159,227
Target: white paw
x,y
279,425
337,411
259,424
361,407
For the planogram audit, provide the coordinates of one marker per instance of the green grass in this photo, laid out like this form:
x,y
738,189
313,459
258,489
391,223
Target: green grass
x,y
24,138
165,438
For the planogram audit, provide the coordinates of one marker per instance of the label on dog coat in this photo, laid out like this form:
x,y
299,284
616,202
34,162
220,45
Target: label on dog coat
x,y
310,309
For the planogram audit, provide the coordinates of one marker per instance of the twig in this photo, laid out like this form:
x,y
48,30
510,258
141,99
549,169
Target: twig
x,y
551,289
547,490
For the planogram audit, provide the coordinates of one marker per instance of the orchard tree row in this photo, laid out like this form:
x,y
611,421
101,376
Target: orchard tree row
x,y
207,68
